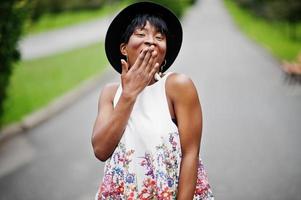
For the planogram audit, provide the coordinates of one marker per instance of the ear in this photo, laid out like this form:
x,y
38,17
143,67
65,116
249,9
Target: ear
x,y
123,49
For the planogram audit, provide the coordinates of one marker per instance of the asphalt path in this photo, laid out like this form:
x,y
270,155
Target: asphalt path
x,y
251,135
61,40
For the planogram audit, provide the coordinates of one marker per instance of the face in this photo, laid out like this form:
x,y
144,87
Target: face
x,y
142,38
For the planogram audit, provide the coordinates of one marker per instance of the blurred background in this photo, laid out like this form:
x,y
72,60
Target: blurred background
x,y
243,55
23,24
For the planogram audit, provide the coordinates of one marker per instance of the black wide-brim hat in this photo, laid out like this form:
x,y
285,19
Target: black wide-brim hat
x,y
124,18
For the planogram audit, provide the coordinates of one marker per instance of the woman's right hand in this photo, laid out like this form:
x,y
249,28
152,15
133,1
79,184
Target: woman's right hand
x,y
135,79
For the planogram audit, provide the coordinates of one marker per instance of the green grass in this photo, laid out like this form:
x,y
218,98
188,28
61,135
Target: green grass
x,y
54,21
35,83
273,36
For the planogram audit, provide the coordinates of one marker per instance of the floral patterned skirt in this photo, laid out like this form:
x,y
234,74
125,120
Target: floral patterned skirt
x,y
151,190
132,175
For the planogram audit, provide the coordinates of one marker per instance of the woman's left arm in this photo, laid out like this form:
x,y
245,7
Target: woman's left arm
x,y
189,117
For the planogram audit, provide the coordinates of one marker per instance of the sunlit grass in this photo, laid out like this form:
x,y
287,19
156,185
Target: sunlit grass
x,y
273,36
35,83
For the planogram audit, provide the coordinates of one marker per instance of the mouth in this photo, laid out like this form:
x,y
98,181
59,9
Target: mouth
x,y
146,47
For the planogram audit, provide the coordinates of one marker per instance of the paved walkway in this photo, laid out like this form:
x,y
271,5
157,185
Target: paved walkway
x,y
252,129
251,137
65,39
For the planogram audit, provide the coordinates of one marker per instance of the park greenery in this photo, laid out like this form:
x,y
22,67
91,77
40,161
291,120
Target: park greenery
x,y
276,25
35,83
12,17
288,11
32,84
40,7
68,13
55,20
26,86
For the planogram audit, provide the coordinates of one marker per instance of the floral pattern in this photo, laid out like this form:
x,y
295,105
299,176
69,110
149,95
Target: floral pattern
x,y
161,174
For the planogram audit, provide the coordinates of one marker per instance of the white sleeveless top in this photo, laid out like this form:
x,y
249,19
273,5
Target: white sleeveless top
x,y
146,162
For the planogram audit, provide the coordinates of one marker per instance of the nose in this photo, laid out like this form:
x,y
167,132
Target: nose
x,y
149,41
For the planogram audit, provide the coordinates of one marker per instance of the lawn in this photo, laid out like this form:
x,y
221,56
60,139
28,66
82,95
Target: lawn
x,y
35,83
273,36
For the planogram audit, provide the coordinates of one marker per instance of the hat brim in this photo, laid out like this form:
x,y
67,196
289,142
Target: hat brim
x,y
124,18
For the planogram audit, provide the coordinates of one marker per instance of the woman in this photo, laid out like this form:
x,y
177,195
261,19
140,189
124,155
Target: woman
x,y
148,128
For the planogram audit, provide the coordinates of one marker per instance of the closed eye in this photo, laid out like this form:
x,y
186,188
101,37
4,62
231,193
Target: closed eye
x,y
160,37
140,34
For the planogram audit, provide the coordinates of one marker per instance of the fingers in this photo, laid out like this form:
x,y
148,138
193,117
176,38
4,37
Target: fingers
x,y
146,59
151,62
125,67
154,70
145,63
140,59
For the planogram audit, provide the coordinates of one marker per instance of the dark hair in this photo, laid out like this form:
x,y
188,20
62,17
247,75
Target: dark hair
x,y
139,21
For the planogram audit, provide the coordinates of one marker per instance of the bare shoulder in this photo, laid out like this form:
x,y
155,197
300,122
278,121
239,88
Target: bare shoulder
x,y
180,85
108,91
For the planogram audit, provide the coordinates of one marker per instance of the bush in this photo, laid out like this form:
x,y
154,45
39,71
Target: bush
x,y
12,16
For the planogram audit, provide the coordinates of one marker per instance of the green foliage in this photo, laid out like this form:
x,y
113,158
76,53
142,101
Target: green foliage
x,y
12,17
272,36
47,14
256,6
53,6
41,7
288,11
50,21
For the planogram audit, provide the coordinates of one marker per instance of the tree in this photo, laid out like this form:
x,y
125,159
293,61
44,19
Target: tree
x,y
12,16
